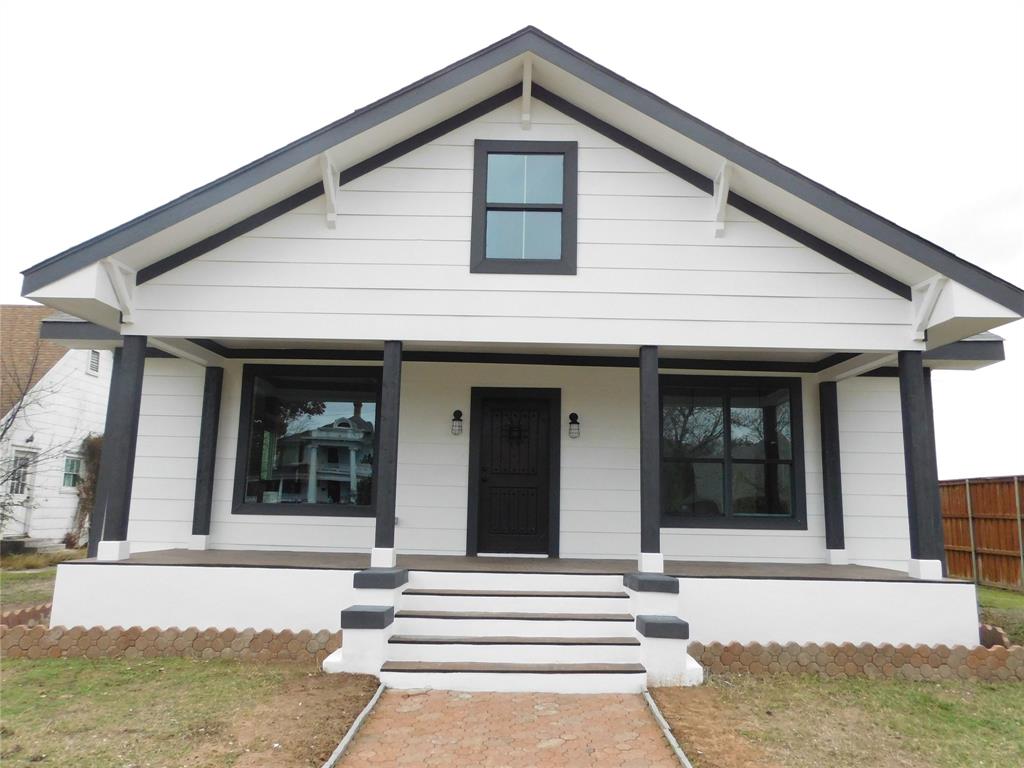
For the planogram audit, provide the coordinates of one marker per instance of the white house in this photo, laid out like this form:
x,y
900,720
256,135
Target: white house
x,y
50,403
596,369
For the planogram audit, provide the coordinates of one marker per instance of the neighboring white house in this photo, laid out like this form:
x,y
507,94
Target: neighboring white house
x,y
618,339
65,402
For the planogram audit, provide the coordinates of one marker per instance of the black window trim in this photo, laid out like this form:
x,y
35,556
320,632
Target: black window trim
x,y
304,509
478,261
667,383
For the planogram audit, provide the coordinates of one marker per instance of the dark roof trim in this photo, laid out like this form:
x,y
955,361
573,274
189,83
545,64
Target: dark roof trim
x,y
705,184
315,190
981,349
528,39
270,165
78,330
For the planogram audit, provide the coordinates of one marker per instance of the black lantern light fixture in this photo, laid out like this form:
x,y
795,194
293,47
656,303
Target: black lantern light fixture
x,y
456,422
574,425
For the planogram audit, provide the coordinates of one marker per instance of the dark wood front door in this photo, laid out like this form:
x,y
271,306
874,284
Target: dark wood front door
x,y
514,452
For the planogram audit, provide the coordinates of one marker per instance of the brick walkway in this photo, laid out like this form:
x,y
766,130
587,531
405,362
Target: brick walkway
x,y
510,729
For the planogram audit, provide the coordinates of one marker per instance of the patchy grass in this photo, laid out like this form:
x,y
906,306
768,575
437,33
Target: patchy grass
x,y
19,589
804,722
34,560
164,713
1003,608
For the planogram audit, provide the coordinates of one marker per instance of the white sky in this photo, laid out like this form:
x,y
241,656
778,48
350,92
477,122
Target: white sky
x,y
913,109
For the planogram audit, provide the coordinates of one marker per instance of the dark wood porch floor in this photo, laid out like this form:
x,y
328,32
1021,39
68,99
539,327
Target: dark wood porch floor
x,y
358,561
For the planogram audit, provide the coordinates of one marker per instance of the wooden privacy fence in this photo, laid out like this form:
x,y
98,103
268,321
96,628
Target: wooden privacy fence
x,y
984,529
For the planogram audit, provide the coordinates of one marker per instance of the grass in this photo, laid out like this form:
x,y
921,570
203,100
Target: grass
x,y
32,560
1003,608
23,588
172,712
803,722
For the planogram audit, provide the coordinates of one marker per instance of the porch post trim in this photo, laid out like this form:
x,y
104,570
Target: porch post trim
x,y
212,387
385,482
831,470
117,466
650,454
926,539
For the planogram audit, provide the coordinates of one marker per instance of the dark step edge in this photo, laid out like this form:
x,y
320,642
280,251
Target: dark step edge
x,y
468,616
501,593
601,642
523,669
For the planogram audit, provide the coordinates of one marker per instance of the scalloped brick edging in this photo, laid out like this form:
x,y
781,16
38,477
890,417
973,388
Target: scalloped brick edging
x,y
29,616
22,642
991,636
828,660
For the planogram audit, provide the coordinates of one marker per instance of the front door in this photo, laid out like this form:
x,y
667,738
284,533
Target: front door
x,y
514,452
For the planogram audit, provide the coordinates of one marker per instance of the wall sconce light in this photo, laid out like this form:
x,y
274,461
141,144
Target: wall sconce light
x,y
456,422
574,425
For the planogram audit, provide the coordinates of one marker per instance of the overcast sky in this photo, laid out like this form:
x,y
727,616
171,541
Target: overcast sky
x,y
913,109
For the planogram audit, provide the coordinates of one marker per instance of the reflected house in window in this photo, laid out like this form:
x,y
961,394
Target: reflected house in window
x,y
329,464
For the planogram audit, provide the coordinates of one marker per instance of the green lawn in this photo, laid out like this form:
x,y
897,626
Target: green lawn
x,y
22,588
172,712
1003,608
805,722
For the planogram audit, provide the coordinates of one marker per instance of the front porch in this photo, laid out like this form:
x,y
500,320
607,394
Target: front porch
x,y
356,561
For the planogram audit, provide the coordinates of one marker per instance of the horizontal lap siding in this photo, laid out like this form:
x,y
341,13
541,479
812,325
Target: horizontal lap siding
x,y
650,269
163,489
874,479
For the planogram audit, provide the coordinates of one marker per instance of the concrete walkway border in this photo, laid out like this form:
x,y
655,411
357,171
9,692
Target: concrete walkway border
x,y
667,731
336,755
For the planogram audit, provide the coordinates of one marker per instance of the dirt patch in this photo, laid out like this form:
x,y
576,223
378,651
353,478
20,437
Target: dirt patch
x,y
699,721
298,727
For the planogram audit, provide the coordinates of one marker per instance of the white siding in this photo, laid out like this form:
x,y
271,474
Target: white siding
x,y
163,491
650,269
874,478
66,405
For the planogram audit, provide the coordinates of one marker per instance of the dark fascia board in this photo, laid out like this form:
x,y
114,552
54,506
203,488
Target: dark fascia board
x,y
529,39
511,358
989,350
78,330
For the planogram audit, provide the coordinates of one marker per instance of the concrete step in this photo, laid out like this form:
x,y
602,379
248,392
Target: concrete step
x,y
512,649
520,624
510,581
554,678
516,601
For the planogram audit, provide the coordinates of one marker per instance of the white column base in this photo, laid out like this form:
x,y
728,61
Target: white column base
x,y
381,557
651,562
925,569
836,557
657,603
668,663
198,541
362,651
113,550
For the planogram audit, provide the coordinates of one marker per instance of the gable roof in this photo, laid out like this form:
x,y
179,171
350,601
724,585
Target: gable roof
x,y
798,188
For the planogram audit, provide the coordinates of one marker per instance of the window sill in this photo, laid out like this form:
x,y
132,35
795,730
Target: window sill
x,y
737,523
304,510
523,267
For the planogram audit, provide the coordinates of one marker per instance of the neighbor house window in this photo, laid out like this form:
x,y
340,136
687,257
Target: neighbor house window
x,y
72,472
307,441
94,363
524,207
20,479
731,452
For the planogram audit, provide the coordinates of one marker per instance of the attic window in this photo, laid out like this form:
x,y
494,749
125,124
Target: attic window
x,y
524,207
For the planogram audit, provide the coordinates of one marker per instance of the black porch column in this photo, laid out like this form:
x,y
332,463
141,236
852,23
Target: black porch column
x,y
919,456
100,502
117,465
386,469
832,478
212,387
650,453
